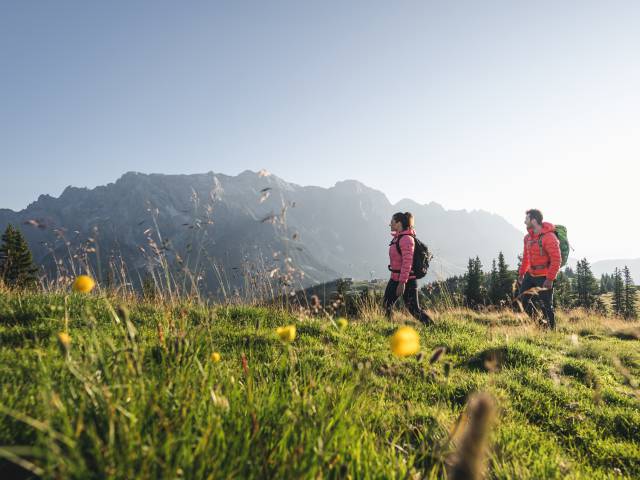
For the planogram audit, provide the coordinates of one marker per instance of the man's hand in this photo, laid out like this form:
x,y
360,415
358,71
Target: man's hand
x,y
400,289
547,283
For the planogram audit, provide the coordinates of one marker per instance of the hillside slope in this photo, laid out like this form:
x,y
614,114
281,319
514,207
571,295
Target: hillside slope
x,y
139,395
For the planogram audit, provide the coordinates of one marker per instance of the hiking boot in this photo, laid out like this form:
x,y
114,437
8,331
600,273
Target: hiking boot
x,y
426,320
544,323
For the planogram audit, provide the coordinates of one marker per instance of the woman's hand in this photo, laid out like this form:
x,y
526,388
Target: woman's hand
x,y
400,289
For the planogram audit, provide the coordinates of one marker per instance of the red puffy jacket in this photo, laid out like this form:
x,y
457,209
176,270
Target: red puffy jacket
x,y
541,257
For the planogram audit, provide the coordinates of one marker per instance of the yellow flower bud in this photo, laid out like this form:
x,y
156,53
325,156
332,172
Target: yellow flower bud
x,y
84,284
405,341
65,340
287,334
215,357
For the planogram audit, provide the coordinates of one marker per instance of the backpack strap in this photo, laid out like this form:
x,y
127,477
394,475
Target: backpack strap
x,y
542,252
540,244
398,240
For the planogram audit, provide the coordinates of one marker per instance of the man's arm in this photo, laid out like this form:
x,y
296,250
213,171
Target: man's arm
x,y
551,245
524,265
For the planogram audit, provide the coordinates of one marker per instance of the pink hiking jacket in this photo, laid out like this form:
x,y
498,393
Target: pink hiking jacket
x,y
402,262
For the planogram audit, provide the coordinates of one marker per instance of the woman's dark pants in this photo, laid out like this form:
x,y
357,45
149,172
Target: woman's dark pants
x,y
410,298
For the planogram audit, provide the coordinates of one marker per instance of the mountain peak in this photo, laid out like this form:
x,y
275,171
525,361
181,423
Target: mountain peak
x,y
407,204
71,192
248,173
351,185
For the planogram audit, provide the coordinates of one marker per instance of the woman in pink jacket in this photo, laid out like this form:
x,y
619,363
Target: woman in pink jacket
x,y
403,283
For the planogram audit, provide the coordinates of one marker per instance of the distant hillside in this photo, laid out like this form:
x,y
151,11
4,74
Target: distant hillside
x,y
608,266
238,222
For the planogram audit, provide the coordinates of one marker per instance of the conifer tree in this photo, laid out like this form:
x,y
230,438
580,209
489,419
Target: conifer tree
x,y
630,292
563,296
600,307
494,285
505,278
586,286
618,293
605,283
473,284
16,262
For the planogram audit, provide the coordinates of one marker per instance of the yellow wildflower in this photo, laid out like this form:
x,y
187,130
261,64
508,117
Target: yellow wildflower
x,y
65,340
405,342
287,334
84,284
215,357
342,323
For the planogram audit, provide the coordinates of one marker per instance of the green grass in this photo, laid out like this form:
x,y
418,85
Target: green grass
x,y
141,397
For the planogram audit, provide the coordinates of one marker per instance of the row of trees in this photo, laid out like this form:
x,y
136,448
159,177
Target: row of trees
x,y
476,288
493,288
620,285
572,288
581,289
624,294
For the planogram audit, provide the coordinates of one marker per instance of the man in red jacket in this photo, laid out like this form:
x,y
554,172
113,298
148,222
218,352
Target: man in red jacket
x,y
540,264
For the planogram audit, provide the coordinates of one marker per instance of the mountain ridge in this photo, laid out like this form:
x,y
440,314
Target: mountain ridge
x,y
609,265
335,231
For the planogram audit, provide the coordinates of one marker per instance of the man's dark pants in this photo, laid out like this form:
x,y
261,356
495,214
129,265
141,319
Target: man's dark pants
x,y
410,298
546,297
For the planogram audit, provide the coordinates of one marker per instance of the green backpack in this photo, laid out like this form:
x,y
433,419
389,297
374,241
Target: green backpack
x,y
561,233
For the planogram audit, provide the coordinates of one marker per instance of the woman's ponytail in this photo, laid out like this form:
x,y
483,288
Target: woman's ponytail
x,y
409,217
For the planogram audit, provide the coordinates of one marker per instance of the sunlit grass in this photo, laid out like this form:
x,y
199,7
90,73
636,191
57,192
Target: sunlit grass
x,y
146,389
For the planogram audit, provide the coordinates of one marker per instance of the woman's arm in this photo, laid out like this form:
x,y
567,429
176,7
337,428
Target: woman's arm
x,y
407,246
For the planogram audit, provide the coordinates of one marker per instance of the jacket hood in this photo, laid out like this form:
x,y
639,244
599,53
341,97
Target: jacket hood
x,y
409,231
546,228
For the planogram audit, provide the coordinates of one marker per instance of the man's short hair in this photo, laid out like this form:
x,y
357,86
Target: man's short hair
x,y
535,214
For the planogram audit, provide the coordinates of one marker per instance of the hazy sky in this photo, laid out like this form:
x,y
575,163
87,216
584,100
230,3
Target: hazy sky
x,y
500,106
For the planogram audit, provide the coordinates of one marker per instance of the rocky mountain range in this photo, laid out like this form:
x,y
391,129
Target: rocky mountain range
x,y
222,227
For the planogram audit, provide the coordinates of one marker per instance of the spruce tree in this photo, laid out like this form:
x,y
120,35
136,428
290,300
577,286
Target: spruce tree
x,y
7,248
16,262
609,286
600,307
7,239
563,296
586,285
505,279
605,283
494,285
618,293
630,310
473,284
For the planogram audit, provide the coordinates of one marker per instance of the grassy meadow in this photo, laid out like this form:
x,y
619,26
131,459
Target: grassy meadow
x,y
142,389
